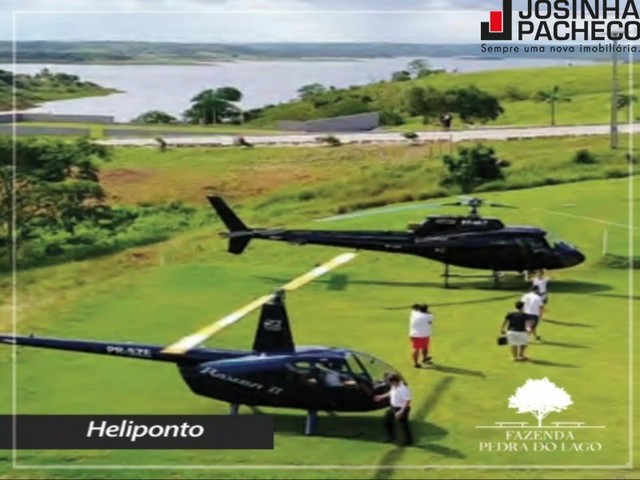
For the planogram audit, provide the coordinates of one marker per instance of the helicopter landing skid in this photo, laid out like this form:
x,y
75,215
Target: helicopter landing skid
x,y
311,423
447,275
495,276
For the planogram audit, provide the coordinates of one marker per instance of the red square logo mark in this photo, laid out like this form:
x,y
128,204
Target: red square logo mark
x,y
495,22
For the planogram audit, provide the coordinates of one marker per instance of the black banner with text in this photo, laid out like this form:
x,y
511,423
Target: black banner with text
x,y
136,432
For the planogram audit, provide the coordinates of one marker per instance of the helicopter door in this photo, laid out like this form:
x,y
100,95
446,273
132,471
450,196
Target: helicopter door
x,y
376,371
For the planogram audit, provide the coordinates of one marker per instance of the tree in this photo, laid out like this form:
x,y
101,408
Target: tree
x,y
428,102
472,167
625,101
415,101
215,106
419,68
552,97
56,187
401,76
540,398
307,92
155,117
472,104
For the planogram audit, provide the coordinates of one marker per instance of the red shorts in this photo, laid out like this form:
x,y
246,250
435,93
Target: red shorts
x,y
420,343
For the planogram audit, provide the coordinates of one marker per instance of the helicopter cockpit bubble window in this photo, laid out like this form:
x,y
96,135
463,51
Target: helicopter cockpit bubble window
x,y
534,242
355,366
558,243
376,369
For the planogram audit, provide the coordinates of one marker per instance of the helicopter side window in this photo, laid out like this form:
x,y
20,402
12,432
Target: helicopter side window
x,y
305,370
334,373
534,243
356,368
558,243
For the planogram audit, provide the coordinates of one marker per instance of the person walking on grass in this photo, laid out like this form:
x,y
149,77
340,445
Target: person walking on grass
x,y
515,326
533,306
420,322
541,280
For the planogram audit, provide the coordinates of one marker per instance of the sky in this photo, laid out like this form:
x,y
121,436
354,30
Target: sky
x,y
237,21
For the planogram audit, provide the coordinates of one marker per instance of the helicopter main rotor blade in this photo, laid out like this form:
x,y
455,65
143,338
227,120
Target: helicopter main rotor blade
x,y
499,205
192,341
319,271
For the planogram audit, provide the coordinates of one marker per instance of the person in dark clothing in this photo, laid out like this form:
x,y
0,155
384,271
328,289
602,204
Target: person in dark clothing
x,y
516,326
445,121
400,407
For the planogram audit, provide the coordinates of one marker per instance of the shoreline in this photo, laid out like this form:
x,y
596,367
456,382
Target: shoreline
x,y
215,61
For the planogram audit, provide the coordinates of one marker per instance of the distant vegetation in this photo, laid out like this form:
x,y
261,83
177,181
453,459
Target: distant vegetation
x,y
43,87
181,53
469,103
568,95
155,117
61,208
215,106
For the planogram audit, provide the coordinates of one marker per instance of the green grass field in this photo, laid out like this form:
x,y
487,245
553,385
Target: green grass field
x,y
295,181
158,294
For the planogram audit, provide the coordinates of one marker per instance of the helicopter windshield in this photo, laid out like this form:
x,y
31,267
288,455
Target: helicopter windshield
x,y
375,369
558,243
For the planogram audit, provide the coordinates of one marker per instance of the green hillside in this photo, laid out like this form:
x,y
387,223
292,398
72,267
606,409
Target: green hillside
x,y
588,87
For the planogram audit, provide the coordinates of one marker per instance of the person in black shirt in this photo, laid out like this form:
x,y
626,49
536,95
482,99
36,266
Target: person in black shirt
x,y
516,328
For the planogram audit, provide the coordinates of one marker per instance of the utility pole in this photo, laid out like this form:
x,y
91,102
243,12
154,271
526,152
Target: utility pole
x,y
614,96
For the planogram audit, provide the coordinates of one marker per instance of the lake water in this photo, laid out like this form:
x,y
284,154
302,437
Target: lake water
x,y
170,87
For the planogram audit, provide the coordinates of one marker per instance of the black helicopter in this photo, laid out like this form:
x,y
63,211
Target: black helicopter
x,y
469,241
275,373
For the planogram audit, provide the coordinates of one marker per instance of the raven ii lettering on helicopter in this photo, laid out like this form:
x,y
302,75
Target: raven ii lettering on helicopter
x,y
274,373
469,241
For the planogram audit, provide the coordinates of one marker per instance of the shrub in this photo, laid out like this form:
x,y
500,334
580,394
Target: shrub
x,y
584,157
240,141
411,136
391,118
514,94
155,117
330,140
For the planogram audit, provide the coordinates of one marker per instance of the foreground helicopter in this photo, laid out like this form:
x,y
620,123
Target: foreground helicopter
x,y
469,241
275,373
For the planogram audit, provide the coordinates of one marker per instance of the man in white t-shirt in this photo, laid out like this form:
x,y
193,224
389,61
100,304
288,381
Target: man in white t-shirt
x,y
541,281
532,307
400,405
420,322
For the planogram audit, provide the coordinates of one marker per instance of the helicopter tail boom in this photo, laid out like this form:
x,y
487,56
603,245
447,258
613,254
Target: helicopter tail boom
x,y
239,234
118,349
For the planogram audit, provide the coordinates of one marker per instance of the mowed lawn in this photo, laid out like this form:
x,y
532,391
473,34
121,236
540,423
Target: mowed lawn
x,y
160,293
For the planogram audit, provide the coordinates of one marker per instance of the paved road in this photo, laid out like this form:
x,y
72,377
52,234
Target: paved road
x,y
377,137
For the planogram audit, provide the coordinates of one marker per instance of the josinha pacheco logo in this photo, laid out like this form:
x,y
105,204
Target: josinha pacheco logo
x,y
540,398
564,20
